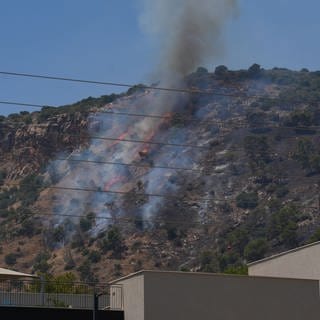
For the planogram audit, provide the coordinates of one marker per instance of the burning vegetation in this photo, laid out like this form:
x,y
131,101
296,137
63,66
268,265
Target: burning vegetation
x,y
204,178
231,181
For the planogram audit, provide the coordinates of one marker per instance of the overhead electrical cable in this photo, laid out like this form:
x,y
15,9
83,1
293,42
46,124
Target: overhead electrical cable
x,y
116,84
130,220
172,116
100,190
128,164
178,90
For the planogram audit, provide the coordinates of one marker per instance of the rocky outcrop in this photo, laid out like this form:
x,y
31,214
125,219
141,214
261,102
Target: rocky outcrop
x,y
30,146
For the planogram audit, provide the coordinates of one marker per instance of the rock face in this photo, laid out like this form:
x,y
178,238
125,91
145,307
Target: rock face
x,y
216,179
27,147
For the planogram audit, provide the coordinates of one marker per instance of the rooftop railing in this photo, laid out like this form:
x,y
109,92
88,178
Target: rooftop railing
x,y
53,294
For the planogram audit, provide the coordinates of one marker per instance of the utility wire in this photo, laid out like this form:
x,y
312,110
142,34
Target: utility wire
x,y
172,116
177,116
135,193
164,144
158,143
128,164
129,220
126,193
116,84
149,142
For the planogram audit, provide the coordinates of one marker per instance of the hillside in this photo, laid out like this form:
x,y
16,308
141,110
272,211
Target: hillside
x,y
210,179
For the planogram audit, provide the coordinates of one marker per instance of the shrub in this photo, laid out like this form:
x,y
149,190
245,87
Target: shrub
x,y
283,226
241,270
238,239
3,175
117,269
257,149
28,228
221,71
58,234
86,223
208,262
256,249
202,70
29,189
94,256
315,237
300,118
113,242
86,273
41,262
247,200
254,70
11,259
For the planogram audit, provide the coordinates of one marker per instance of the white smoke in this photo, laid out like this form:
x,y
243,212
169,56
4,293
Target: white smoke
x,y
190,32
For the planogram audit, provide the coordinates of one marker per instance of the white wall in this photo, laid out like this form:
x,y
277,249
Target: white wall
x,y
302,263
152,295
133,297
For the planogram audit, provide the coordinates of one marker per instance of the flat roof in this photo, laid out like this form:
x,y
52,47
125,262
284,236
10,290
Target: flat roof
x,y
141,272
283,253
10,274
197,274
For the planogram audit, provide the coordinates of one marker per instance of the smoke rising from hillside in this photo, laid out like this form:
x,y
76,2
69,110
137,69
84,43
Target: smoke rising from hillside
x,y
190,31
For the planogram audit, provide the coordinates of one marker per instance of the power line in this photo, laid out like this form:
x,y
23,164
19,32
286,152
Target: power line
x,y
129,164
135,193
127,220
158,143
172,116
150,142
100,162
164,144
141,219
116,84
118,192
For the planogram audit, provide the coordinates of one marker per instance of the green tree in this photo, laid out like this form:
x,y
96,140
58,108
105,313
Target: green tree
x,y
10,259
256,249
303,153
94,256
41,262
283,226
113,242
87,222
247,200
241,270
315,236
86,273
258,151
208,262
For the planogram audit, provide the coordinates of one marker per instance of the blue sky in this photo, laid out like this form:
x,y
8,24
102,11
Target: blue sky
x,y
101,40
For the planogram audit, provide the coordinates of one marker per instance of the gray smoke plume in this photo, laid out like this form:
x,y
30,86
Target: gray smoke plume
x,y
190,31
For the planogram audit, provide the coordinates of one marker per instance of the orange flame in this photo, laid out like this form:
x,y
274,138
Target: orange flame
x,y
120,138
113,181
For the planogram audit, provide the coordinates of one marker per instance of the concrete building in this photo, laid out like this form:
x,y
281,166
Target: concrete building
x,y
155,295
299,263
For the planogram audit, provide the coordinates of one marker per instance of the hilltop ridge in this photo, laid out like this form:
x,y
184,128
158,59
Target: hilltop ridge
x,y
221,177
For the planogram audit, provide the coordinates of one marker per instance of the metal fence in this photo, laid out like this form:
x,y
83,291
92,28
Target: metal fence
x,y
53,294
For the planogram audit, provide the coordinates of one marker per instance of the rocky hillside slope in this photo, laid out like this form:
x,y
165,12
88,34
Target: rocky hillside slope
x,y
212,178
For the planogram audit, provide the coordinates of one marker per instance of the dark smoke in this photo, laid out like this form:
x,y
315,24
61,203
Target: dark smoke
x,y
190,32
